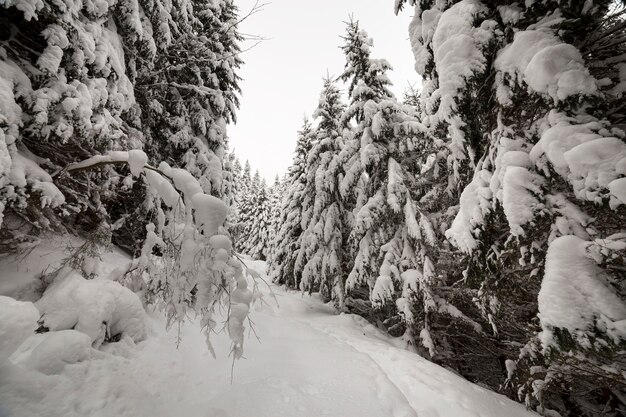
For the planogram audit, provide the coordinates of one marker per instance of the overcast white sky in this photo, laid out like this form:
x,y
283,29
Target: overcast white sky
x,y
282,76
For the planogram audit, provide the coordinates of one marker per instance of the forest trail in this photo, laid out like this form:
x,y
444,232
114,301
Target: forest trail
x,y
310,362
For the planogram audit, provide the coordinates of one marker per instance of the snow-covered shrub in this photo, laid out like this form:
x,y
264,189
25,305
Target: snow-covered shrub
x,y
99,308
187,260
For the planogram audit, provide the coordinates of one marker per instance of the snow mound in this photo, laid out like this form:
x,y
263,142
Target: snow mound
x,y
575,294
97,308
18,320
49,353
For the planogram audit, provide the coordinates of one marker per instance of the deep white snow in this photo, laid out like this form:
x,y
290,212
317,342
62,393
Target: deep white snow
x,y
364,373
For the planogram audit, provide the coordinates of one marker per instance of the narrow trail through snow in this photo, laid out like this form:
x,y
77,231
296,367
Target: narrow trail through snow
x,y
311,362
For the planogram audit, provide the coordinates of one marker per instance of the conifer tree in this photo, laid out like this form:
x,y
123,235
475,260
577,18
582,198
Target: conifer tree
x,y
232,185
285,263
531,149
154,75
190,89
393,233
244,207
276,192
325,220
368,86
256,238
98,82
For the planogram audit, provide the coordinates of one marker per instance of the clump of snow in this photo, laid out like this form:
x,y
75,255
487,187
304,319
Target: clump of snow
x,y
383,290
456,46
595,164
137,159
520,190
575,295
221,242
511,366
475,203
571,219
210,213
28,7
25,171
18,320
185,182
161,187
112,156
458,55
52,351
427,341
546,64
618,190
583,156
240,300
14,83
97,307
511,13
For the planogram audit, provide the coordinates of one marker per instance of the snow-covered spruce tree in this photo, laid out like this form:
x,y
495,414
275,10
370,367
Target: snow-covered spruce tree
x,y
394,238
325,221
66,95
189,87
276,192
232,187
255,241
247,207
70,79
185,86
286,262
244,206
533,105
454,108
96,78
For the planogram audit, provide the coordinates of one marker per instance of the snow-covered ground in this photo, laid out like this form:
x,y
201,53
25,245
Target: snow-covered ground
x,y
363,374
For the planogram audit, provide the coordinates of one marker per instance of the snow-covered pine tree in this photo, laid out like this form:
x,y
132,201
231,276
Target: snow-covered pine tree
x,y
248,207
528,114
244,206
368,86
66,96
276,192
84,89
257,230
325,221
232,190
79,79
190,87
394,235
286,263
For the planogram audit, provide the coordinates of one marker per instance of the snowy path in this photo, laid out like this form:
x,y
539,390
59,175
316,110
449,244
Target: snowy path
x,y
310,363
